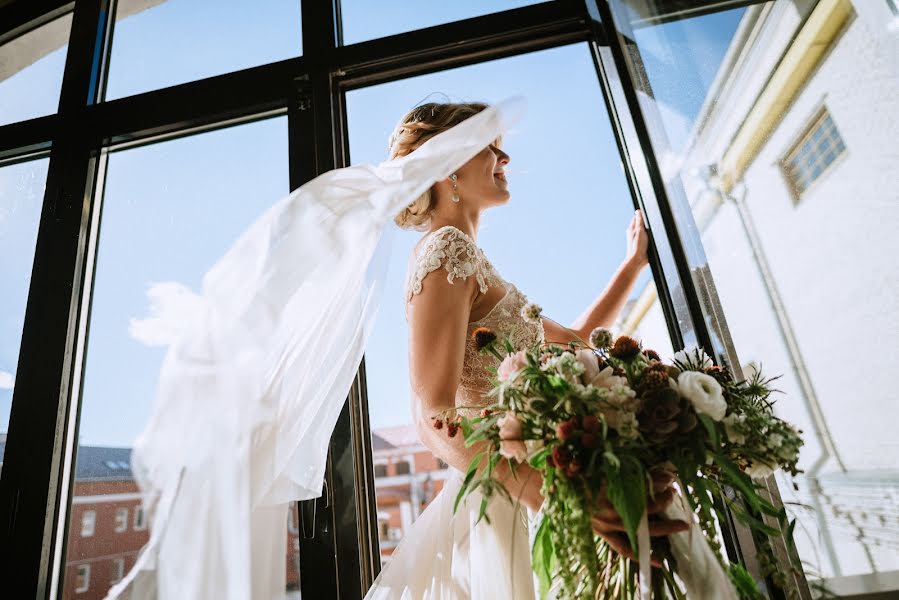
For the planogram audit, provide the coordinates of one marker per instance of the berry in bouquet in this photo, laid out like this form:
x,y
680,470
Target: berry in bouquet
x,y
612,428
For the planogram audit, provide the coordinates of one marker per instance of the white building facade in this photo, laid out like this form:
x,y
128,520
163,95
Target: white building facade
x,y
792,173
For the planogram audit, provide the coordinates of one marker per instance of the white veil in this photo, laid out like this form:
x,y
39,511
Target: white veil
x,y
259,368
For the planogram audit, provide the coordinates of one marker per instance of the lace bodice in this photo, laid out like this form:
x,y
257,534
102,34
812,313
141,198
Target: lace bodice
x,y
453,251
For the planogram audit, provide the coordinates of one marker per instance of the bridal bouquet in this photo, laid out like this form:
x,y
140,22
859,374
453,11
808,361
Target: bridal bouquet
x,y
601,424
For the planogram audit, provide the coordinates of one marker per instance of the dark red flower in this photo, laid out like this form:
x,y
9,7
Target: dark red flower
x,y
485,412
625,347
564,430
591,424
561,456
590,440
651,354
438,423
452,429
573,468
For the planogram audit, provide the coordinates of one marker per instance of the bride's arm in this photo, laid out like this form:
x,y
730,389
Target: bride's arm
x,y
438,320
603,311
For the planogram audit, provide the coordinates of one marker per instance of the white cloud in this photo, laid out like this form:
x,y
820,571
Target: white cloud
x,y
173,307
7,380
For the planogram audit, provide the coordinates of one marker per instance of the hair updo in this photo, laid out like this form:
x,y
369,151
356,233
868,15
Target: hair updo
x,y
418,126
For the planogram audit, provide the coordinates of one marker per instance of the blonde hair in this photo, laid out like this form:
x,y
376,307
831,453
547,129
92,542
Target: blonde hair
x,y
414,129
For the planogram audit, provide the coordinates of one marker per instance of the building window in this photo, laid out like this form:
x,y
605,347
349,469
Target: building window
x,y
83,578
140,522
817,148
121,519
402,467
88,522
117,570
381,470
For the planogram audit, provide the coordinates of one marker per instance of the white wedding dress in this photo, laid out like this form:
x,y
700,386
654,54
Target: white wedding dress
x,y
446,556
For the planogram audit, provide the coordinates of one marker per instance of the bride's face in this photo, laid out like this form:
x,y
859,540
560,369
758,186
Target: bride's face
x,y
483,178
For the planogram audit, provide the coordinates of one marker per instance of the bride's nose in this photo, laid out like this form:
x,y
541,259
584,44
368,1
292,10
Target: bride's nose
x,y
503,158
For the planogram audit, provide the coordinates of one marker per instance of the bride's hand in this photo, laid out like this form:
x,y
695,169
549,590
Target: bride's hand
x,y
608,525
637,241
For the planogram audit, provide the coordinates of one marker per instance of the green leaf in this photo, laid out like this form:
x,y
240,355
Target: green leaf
x,y
538,461
743,582
711,429
466,427
541,556
740,480
627,493
470,472
482,512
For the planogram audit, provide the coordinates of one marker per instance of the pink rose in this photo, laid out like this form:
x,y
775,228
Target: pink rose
x,y
511,365
510,427
514,449
587,357
511,432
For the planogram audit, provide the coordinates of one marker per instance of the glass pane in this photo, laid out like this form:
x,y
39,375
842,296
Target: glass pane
x,y
21,198
801,270
586,214
160,44
170,210
31,68
364,20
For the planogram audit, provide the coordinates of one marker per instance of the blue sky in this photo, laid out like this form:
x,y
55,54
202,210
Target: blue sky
x,y
172,208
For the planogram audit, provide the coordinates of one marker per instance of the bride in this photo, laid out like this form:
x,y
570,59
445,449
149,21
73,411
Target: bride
x,y
260,363
451,290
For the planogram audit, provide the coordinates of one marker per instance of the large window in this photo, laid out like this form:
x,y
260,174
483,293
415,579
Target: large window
x,y
162,43
795,89
21,195
31,68
169,210
567,178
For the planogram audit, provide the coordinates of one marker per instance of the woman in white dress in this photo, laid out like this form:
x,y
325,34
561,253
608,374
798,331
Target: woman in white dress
x,y
452,289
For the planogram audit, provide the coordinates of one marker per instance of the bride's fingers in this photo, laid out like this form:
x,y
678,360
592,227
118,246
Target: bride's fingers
x,y
654,505
661,480
657,527
660,502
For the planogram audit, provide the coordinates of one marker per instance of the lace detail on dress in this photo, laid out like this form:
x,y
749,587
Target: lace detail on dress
x,y
453,249
456,252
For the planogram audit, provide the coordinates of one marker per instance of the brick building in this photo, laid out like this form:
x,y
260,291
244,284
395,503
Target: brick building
x,y
407,477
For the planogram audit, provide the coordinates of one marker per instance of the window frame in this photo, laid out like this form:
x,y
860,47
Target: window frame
x,y
86,577
806,132
121,525
88,525
117,570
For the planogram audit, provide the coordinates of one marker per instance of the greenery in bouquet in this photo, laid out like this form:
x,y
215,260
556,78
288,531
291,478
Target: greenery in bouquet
x,y
600,422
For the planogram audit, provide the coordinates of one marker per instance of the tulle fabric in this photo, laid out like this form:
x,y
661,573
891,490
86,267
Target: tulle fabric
x,y
258,369
446,556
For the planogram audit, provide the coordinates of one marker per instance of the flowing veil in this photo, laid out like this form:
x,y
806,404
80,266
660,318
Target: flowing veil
x,y
259,367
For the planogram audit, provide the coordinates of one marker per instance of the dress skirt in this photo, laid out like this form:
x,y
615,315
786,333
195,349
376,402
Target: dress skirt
x,y
446,556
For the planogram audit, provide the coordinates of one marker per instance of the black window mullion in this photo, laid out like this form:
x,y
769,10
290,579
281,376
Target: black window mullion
x,y
32,489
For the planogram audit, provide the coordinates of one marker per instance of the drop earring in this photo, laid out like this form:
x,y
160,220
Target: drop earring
x,y
454,179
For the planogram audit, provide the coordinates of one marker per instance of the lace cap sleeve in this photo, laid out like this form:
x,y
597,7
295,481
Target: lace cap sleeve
x,y
452,249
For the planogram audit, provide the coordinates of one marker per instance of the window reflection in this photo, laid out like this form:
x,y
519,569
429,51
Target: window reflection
x,y
758,108
31,68
21,197
160,43
170,210
564,174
